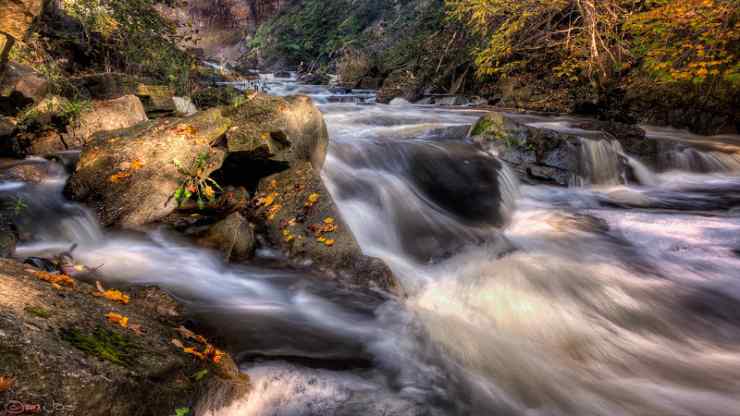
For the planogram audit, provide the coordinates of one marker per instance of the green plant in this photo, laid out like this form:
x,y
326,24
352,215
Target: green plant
x,y
102,343
200,375
182,411
38,312
196,184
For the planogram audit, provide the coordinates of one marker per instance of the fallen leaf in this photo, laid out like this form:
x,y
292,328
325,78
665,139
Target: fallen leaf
x,y
118,177
266,201
312,200
136,165
117,319
55,279
6,383
328,220
115,295
329,242
273,211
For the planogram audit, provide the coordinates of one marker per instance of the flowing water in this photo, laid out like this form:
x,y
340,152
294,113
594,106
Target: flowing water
x,y
522,300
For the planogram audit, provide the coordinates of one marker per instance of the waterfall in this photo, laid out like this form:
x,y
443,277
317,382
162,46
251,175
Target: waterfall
x,y
693,160
599,163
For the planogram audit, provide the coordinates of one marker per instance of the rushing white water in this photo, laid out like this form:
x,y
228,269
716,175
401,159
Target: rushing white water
x,y
522,300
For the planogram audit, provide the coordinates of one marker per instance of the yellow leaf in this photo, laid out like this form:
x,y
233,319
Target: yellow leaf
x,y
6,383
118,177
266,201
329,220
117,319
329,242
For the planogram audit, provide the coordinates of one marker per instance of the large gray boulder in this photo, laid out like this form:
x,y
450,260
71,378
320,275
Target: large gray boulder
x,y
288,130
130,176
115,114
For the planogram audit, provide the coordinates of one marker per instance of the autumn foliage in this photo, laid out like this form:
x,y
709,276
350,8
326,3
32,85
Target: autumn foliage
x,y
602,40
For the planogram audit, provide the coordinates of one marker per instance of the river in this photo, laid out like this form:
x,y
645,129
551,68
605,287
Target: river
x,y
591,300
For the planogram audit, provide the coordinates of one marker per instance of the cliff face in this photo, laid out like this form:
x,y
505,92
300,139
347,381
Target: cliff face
x,y
217,29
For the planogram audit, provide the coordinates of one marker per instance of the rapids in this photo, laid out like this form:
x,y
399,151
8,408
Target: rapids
x,y
522,300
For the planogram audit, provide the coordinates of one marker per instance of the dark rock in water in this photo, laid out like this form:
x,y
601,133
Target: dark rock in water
x,y
546,156
58,344
233,236
42,264
297,213
287,130
460,179
130,176
8,239
314,78
282,74
402,84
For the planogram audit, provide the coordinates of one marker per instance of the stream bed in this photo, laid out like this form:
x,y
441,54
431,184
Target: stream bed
x,y
592,300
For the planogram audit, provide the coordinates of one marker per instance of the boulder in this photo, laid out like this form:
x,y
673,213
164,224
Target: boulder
x,y
21,87
288,130
118,113
18,15
62,352
233,236
398,101
130,176
158,99
184,106
7,126
546,156
29,170
105,86
297,213
400,83
452,101
314,78
43,142
216,96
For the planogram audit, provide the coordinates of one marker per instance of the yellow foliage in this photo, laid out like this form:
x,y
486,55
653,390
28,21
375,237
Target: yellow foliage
x,y
312,200
267,200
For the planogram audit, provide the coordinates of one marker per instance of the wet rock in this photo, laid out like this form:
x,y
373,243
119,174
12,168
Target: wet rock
x,y
184,106
8,239
233,236
297,214
400,83
451,101
216,96
158,99
130,176
399,102
42,143
289,130
21,87
30,171
60,348
546,156
314,78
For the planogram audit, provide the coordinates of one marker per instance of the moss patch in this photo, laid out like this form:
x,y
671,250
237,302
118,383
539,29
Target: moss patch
x,y
38,312
103,343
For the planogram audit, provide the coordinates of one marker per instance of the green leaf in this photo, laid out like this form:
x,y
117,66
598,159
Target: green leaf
x,y
183,411
200,375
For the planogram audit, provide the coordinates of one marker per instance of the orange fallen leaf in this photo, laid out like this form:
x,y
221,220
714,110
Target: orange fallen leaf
x,y
115,295
185,130
117,319
266,201
329,220
136,164
194,352
6,383
118,177
55,279
312,199
273,211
